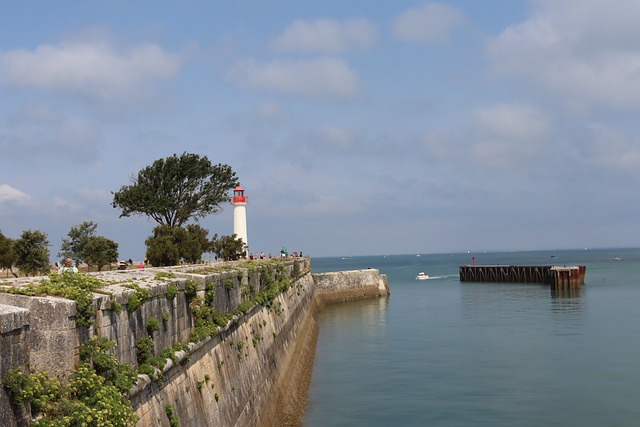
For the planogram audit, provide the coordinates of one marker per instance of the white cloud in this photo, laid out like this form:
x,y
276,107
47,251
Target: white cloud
x,y
311,78
431,23
326,36
10,194
90,68
582,51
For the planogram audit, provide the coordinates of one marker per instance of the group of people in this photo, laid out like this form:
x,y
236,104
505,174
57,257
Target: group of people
x,y
283,254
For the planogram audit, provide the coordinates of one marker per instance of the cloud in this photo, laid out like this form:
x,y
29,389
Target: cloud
x,y
326,36
89,68
10,194
327,77
431,23
582,51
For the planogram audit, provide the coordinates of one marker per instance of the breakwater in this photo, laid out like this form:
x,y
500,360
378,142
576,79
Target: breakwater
x,y
253,371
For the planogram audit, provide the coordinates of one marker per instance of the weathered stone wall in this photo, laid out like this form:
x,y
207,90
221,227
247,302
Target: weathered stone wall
x,y
240,366
254,372
14,351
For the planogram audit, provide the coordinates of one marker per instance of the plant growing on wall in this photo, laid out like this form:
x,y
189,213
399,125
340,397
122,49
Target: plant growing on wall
x,y
78,287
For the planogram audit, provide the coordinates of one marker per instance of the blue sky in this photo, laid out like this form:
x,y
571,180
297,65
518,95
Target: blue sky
x,y
355,127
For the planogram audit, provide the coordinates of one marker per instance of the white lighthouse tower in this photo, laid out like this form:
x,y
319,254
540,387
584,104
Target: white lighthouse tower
x,y
239,203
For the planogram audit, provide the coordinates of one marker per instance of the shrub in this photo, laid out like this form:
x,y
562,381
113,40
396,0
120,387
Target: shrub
x,y
152,325
172,291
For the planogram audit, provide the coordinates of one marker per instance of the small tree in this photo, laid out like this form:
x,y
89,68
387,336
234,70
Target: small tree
x,y
8,256
197,243
162,249
168,246
228,248
74,246
32,253
100,251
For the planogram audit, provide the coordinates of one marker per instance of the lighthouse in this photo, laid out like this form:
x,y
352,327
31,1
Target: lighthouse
x,y
239,203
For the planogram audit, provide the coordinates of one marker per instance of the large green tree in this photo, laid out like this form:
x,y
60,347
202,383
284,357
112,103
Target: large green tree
x,y
74,246
32,253
8,256
176,189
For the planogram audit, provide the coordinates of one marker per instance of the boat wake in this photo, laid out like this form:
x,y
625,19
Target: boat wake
x,y
442,277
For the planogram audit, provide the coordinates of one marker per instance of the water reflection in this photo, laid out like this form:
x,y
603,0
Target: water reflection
x,y
371,312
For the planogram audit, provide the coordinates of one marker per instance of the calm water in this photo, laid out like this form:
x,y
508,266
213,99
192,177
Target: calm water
x,y
444,353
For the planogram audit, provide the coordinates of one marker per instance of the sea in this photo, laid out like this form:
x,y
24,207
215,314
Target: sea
x,y
439,352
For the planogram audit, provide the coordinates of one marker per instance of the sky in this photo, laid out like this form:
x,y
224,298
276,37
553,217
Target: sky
x,y
356,128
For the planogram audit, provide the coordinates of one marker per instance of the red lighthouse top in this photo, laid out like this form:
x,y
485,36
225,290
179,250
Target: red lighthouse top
x,y
238,196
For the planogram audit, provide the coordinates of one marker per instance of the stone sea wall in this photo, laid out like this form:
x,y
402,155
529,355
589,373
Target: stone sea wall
x,y
254,372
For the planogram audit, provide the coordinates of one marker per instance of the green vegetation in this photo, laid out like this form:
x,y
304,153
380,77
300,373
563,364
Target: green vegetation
x,y
172,291
169,245
173,420
8,256
136,300
191,289
228,248
83,245
173,191
152,325
95,393
77,287
176,189
100,251
78,237
32,253
93,396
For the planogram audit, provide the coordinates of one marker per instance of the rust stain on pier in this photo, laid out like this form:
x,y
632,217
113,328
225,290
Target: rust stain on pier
x,y
559,278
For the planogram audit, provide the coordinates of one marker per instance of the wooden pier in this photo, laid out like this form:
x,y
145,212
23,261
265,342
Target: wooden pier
x,y
559,278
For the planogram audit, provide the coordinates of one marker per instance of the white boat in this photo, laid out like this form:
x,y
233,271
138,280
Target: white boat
x,y
422,276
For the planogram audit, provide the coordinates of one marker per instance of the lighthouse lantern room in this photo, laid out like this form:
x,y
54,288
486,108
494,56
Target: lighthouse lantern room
x,y
239,203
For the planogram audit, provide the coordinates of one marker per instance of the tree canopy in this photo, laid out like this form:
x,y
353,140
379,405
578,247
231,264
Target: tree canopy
x,y
100,251
32,253
8,257
79,236
228,248
168,246
176,189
